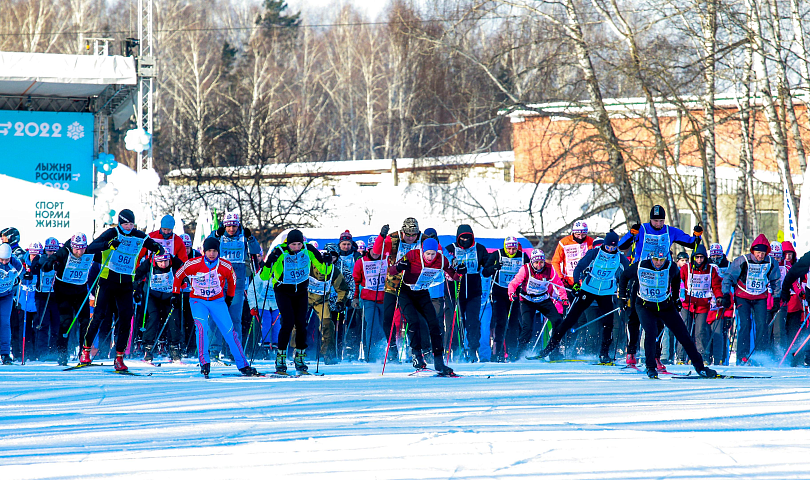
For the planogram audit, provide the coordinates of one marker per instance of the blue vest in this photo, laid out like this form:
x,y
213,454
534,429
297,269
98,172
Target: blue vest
x,y
600,279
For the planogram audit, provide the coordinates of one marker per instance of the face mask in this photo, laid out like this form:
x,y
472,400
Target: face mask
x,y
126,230
465,242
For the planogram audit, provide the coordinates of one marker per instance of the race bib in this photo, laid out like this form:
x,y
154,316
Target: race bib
x,y
206,284
537,289
167,245
232,249
655,244
162,282
77,269
46,280
374,273
296,268
756,283
653,285
122,259
7,278
509,268
404,248
701,285
573,254
318,287
429,277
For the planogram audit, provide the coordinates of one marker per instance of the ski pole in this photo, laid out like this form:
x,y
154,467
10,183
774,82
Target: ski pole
x,y
576,329
87,296
44,311
24,326
146,300
324,300
361,355
801,327
542,330
391,332
506,328
801,346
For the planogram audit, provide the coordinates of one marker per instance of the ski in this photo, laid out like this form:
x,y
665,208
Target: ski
x,y
721,377
76,367
127,372
306,373
606,364
564,360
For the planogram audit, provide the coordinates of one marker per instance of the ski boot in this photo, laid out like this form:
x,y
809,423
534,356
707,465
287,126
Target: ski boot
x,y
428,356
652,373
631,359
205,369
6,359
707,372
249,371
84,357
298,359
441,369
605,359
281,362
472,356
393,354
174,352
62,357
555,355
147,353
419,360
660,366
119,362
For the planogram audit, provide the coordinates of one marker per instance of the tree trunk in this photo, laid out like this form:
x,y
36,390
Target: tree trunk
x,y
709,55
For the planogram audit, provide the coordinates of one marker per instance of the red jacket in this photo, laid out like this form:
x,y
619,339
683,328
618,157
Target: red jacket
x,y
415,262
360,280
695,302
207,284
173,245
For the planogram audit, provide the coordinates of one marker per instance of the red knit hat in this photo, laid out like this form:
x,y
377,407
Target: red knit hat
x,y
346,236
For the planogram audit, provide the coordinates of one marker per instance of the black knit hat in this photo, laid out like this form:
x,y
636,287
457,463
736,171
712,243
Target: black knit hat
x,y
210,243
658,213
295,236
126,216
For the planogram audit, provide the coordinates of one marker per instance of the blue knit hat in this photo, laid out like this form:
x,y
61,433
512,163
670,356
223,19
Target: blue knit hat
x,y
430,244
167,222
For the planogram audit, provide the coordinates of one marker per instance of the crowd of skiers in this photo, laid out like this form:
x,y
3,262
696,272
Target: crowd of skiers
x,y
400,294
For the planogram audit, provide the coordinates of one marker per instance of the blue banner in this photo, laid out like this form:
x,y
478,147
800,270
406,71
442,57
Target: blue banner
x,y
48,148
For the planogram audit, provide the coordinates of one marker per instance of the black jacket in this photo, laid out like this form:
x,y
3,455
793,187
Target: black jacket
x,y
628,283
102,243
57,262
471,281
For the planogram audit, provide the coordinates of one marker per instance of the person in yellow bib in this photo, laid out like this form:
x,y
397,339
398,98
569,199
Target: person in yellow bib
x,y
119,247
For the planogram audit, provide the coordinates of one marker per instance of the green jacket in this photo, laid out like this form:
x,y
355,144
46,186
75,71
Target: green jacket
x,y
274,266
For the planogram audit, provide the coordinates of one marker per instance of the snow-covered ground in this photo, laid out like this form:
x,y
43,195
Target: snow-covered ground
x,y
522,420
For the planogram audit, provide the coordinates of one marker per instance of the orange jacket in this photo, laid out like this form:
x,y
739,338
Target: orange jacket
x,y
565,257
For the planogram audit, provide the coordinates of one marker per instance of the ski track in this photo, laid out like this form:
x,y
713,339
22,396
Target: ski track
x,y
564,420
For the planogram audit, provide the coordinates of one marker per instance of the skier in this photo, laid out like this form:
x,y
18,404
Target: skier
x,y
422,268
570,250
536,284
468,290
595,280
748,276
504,264
369,279
718,258
170,241
27,301
187,320
163,307
643,240
392,248
681,259
287,267
361,247
47,309
119,247
10,270
70,266
655,280
347,327
328,293
213,287
236,243
11,236
262,302
794,295
701,286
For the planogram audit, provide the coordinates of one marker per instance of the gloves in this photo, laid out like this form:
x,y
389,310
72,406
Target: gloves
x,y
355,303
461,269
160,250
220,231
697,231
403,265
635,228
340,306
228,300
576,288
724,301
512,296
137,294
247,233
384,230
678,306
624,304
28,276
114,243
497,266
785,295
254,312
775,308
333,258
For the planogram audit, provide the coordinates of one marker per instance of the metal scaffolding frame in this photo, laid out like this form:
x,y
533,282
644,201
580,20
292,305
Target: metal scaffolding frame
x,y
146,77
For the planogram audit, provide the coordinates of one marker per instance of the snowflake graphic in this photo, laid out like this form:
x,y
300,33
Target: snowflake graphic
x,y
75,131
